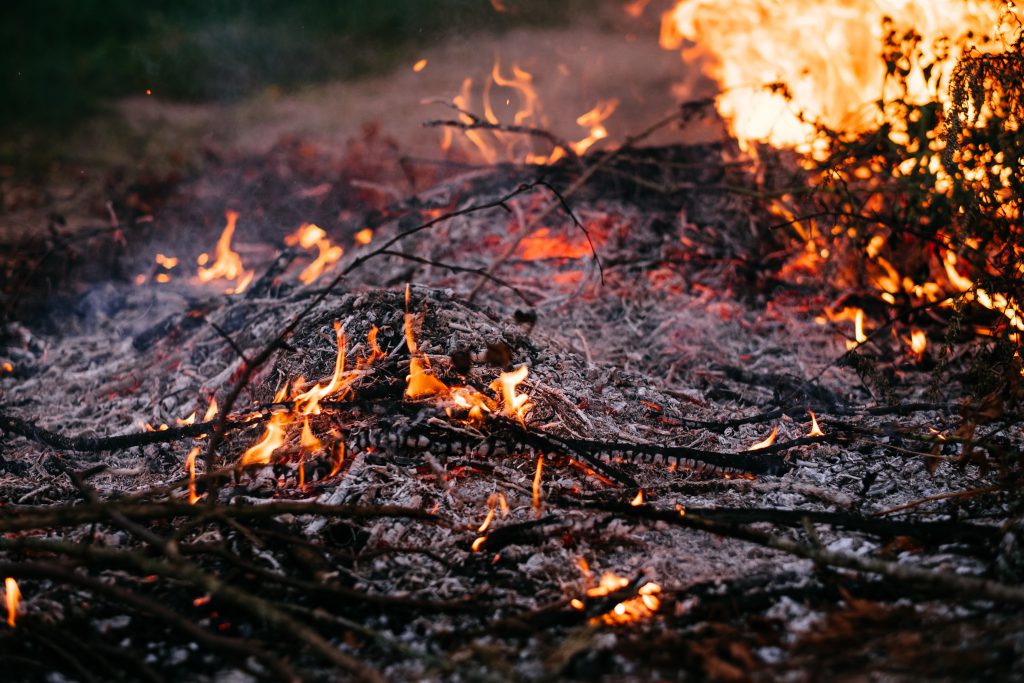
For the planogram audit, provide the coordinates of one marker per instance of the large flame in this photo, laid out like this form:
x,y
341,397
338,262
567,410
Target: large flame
x,y
823,51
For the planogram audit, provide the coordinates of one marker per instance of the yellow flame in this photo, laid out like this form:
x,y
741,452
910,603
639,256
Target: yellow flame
x,y
815,429
832,77
211,412
513,404
638,500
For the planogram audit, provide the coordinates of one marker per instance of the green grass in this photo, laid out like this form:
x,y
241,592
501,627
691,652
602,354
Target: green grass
x,y
60,60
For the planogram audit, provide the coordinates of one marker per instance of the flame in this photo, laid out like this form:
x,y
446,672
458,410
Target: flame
x,y
815,429
308,236
642,606
273,435
308,440
167,262
308,403
858,330
363,237
228,265
513,404
751,42
7,366
492,501
191,419
918,342
339,458
638,500
477,543
211,412
767,442
420,65
190,468
517,95
536,484
592,120
12,596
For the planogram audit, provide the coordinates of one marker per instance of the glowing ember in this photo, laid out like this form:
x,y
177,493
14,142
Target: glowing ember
x,y
190,468
767,442
541,244
815,429
167,262
12,596
420,65
228,264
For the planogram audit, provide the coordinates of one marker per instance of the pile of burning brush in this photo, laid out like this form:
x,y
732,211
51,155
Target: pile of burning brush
x,y
414,482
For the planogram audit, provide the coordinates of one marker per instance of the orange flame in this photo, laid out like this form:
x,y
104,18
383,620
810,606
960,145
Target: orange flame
x,y
767,442
918,342
228,265
211,412
638,500
12,596
308,403
308,440
363,237
642,606
536,484
190,468
273,436
815,429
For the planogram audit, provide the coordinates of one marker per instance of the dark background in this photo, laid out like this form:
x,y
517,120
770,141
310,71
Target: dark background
x,y
61,59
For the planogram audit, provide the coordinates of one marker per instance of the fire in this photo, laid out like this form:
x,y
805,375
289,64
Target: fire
x,y
858,331
537,475
767,442
750,43
642,606
190,468
211,412
420,65
273,435
502,97
513,404
638,500
12,596
228,265
308,403
308,236
541,244
918,342
309,442
815,429
363,237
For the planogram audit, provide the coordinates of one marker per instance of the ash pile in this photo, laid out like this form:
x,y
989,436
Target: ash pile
x,y
509,426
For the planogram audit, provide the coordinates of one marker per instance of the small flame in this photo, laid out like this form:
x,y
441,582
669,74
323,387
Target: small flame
x,y
593,120
492,501
513,404
339,458
12,596
642,606
308,403
767,442
858,331
167,262
364,237
228,264
536,484
190,468
477,543
918,342
191,419
815,429
211,412
638,500
420,65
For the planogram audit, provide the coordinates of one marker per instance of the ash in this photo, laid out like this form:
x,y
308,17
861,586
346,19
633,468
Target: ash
x,y
677,337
